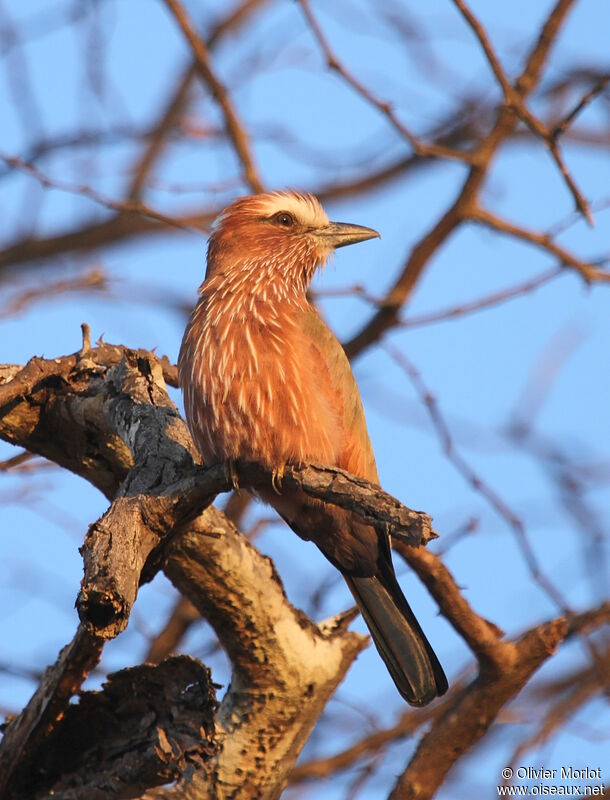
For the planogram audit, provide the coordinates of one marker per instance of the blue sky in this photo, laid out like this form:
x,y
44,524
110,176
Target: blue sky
x,y
309,128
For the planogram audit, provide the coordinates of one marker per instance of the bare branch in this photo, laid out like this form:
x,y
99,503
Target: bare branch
x,y
514,100
466,720
170,114
408,724
240,594
235,128
561,127
494,299
481,635
477,483
542,240
459,210
122,206
585,685
419,147
93,280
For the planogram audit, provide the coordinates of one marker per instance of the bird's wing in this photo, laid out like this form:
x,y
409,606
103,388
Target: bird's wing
x,y
328,356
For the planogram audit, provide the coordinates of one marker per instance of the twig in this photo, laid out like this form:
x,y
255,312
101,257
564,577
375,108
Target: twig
x,y
483,302
541,240
385,107
505,124
88,235
514,100
123,206
409,722
584,687
235,128
87,137
16,461
94,280
477,483
563,124
481,635
536,60
570,219
168,119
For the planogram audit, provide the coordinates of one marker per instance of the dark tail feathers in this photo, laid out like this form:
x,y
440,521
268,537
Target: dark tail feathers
x,y
401,643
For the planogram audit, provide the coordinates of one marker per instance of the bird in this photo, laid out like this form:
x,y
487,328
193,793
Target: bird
x,y
264,379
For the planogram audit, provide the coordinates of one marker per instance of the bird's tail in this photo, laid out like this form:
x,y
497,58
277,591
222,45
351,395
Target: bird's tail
x,y
401,643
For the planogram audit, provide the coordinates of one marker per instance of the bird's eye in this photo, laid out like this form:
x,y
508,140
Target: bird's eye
x,y
284,219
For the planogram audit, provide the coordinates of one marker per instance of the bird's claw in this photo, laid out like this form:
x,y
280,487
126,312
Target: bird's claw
x,y
277,476
231,473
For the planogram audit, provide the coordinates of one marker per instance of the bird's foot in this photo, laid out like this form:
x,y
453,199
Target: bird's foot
x,y
231,473
277,476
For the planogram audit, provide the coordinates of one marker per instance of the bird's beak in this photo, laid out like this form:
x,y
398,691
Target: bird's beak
x,y
340,234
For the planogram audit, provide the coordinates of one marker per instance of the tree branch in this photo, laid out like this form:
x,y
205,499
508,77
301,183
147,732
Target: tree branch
x,y
147,727
541,240
420,148
25,734
514,100
504,126
235,128
168,119
468,718
285,667
145,461
143,457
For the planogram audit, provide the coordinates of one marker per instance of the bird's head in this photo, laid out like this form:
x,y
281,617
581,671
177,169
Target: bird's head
x,y
282,235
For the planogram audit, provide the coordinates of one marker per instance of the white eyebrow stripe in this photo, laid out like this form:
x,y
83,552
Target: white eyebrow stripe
x,y
305,208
